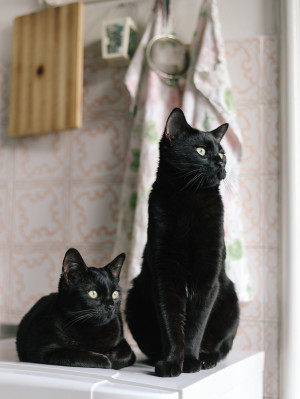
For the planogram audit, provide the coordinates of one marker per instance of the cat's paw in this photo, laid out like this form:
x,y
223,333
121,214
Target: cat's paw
x,y
167,369
103,362
191,365
208,360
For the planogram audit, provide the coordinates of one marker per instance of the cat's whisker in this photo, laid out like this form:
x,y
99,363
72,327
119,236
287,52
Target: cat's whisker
x,y
201,180
230,186
190,172
80,319
190,183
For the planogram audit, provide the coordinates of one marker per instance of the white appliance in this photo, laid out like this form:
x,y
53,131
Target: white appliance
x,y
239,376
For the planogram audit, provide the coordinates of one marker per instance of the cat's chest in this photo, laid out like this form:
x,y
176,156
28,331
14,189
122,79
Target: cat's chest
x,y
100,338
198,214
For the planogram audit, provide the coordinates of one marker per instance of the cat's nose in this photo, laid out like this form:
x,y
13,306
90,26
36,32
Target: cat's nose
x,y
218,161
110,308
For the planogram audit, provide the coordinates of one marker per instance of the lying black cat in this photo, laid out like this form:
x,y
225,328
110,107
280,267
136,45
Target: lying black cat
x,y
80,325
182,309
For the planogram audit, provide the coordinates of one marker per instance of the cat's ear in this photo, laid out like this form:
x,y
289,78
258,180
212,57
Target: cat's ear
x,y
73,265
219,132
115,266
176,123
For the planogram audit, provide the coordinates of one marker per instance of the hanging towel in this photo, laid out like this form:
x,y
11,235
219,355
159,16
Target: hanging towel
x,y
208,102
151,102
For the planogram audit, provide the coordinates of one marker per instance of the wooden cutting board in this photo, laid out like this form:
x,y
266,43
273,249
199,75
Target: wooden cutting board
x,y
47,71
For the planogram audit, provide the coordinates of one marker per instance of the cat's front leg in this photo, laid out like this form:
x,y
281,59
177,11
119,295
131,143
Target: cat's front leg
x,y
170,308
121,356
198,312
76,358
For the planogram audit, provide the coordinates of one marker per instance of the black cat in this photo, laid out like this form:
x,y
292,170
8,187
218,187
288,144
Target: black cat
x,y
80,325
182,309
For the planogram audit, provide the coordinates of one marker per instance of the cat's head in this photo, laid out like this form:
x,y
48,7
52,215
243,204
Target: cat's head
x,y
89,294
194,159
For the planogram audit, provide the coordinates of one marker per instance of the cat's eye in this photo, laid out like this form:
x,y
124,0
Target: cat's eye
x,y
201,151
221,155
115,295
93,294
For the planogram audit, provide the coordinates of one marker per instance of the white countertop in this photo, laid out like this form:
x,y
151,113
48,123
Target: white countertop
x,y
137,381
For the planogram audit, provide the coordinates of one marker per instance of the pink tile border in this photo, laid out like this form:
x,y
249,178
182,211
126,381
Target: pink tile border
x,y
254,310
252,209
271,139
270,70
271,211
271,284
40,157
38,214
93,213
244,65
28,270
100,149
250,120
250,336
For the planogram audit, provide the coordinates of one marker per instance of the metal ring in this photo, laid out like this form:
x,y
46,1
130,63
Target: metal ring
x,y
152,65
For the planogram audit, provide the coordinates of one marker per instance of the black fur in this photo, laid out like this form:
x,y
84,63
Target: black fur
x,y
182,309
69,328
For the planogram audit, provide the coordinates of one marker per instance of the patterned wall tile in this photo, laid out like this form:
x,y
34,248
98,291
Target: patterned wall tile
x,y
250,121
271,284
244,65
254,310
250,336
96,257
251,196
270,70
4,93
271,211
104,91
38,214
4,216
33,274
40,157
271,139
4,278
271,346
101,148
93,213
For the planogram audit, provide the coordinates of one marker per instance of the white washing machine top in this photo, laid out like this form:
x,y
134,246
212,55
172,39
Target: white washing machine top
x,y
239,376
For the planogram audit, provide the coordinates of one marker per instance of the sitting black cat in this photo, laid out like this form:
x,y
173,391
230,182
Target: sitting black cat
x,y
80,325
182,308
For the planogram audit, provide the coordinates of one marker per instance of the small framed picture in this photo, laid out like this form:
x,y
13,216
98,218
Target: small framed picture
x,y
119,37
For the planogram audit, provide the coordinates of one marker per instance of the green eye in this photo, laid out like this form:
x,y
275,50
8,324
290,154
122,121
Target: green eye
x,y
115,295
221,155
201,151
93,294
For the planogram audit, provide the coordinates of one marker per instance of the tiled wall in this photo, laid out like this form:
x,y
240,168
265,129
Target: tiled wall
x,y
62,190
253,66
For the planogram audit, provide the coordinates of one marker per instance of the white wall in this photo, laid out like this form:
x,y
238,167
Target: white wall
x,y
240,18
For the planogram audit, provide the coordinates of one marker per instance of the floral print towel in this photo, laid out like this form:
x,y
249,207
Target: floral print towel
x,y
152,101
207,102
